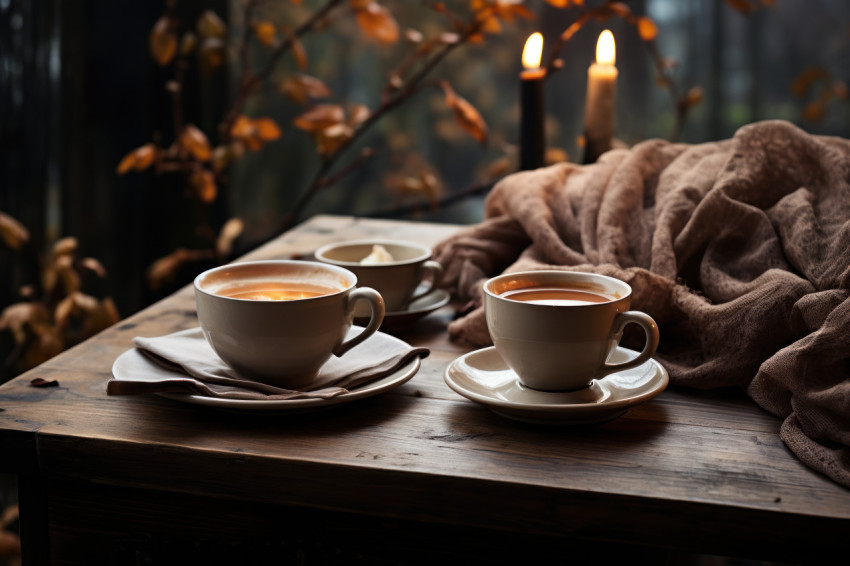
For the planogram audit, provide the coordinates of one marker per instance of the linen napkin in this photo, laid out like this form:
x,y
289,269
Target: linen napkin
x,y
194,367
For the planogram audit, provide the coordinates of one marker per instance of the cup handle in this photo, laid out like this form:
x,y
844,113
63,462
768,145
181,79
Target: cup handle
x,y
436,271
648,324
376,302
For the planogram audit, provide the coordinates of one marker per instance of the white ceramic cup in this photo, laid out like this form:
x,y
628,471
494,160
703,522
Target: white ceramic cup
x,y
561,347
282,342
397,280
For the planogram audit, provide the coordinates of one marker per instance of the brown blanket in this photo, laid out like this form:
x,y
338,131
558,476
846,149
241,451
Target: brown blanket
x,y
740,250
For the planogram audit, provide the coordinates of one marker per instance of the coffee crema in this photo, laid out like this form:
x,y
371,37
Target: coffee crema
x,y
273,291
556,295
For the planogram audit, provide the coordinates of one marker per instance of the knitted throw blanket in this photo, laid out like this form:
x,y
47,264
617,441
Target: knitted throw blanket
x,y
739,249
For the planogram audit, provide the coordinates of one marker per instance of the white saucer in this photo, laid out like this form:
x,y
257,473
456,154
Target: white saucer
x,y
133,365
422,306
484,377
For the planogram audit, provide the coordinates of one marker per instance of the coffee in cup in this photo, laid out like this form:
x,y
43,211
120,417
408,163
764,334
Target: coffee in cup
x,y
279,321
557,329
396,269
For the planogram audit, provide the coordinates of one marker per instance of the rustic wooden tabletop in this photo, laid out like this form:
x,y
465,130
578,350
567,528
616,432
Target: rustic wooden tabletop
x,y
414,472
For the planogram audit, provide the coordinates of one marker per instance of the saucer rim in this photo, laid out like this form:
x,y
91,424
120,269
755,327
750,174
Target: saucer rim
x,y
660,382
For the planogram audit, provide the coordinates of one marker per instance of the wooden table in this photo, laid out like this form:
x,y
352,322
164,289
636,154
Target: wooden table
x,y
410,476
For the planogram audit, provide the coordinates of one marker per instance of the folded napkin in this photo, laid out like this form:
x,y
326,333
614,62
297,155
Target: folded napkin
x,y
739,249
195,368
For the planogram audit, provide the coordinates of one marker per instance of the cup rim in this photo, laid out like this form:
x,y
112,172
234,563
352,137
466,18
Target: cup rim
x,y
321,251
625,287
352,278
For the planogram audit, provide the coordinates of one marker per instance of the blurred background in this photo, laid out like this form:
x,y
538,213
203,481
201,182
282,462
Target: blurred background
x,y
80,89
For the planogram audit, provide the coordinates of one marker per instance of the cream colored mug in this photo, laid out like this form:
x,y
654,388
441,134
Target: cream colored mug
x,y
398,277
279,321
556,329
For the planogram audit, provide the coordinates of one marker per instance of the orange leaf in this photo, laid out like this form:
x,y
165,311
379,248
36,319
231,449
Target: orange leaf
x,y
465,114
377,23
196,143
267,129
694,96
163,42
266,33
203,182
301,87
299,53
320,117
138,160
647,28
12,232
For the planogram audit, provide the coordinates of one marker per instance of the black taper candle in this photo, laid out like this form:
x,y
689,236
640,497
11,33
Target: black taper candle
x,y
532,143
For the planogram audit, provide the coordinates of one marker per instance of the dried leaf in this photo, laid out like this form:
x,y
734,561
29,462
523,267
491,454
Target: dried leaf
x,y
267,129
693,97
94,266
222,157
203,181
377,22
359,114
231,230
65,246
647,29
166,268
620,9
163,41
413,36
555,155
13,233
320,117
196,143
332,138
570,31
138,160
299,53
300,88
266,33
465,114
210,25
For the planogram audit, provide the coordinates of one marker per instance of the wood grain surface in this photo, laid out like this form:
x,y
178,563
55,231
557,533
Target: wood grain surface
x,y
687,471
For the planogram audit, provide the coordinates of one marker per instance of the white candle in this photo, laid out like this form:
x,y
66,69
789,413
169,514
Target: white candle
x,y
601,91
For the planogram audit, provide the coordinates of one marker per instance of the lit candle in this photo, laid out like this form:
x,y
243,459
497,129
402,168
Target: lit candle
x,y
532,107
601,91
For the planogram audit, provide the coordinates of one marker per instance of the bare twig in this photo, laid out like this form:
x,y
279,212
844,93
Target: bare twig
x,y
411,87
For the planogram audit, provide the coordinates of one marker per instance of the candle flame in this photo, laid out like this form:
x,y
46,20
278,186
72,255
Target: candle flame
x,y
533,51
606,52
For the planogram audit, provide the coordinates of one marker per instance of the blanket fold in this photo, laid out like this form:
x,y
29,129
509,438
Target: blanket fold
x,y
740,250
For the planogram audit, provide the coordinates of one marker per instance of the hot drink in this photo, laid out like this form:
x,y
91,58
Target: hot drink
x,y
273,291
400,271
279,321
556,329
556,295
